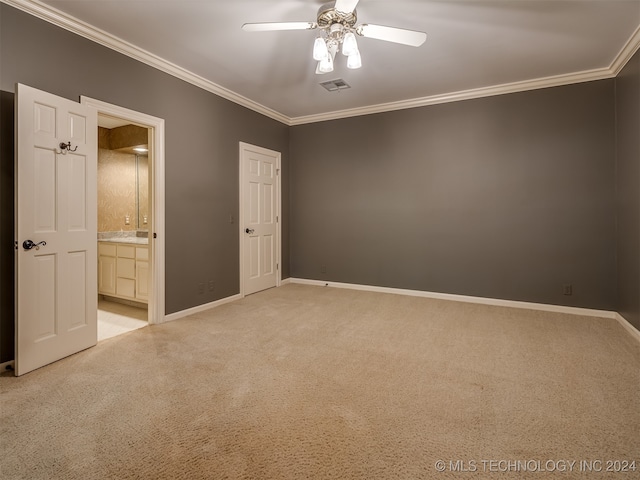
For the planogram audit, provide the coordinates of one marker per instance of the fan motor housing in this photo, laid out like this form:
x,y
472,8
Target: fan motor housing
x,y
328,15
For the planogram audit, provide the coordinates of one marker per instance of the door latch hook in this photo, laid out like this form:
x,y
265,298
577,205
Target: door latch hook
x,y
66,147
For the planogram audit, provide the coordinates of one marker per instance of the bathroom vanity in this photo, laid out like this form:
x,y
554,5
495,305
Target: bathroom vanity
x,y
123,268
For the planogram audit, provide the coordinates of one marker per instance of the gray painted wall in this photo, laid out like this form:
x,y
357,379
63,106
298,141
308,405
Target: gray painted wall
x,y
628,190
507,197
202,135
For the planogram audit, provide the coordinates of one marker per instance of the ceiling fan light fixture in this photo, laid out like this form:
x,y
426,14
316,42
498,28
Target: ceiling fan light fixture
x,y
320,50
349,45
354,61
336,24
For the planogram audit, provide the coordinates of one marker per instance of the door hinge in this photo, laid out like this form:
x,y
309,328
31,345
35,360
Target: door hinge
x,y
277,219
16,244
277,266
155,235
277,171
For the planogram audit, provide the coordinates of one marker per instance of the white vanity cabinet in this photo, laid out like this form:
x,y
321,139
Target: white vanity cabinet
x,y
123,270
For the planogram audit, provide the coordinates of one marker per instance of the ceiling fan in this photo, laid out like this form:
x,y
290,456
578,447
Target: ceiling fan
x,y
336,24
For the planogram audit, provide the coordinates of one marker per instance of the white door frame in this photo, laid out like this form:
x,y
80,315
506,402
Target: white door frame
x,y
157,172
241,222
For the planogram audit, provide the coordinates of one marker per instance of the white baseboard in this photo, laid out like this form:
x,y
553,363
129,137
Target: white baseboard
x,y
200,308
3,366
462,298
628,327
286,281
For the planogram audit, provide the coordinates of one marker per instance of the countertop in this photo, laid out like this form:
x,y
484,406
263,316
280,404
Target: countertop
x,y
130,240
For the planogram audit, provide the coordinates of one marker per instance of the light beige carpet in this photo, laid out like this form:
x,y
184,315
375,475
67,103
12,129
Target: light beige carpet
x,y
310,382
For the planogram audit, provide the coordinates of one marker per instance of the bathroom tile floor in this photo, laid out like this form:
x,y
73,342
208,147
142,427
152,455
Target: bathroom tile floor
x,y
117,318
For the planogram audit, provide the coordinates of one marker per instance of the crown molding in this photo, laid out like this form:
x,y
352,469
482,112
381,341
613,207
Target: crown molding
x,y
555,81
72,24
626,52
97,35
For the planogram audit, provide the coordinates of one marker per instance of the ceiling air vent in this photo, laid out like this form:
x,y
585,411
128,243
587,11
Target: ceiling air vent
x,y
335,85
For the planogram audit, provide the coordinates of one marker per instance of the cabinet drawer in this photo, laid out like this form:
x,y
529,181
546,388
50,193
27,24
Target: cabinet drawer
x,y
126,287
126,251
106,249
142,253
126,268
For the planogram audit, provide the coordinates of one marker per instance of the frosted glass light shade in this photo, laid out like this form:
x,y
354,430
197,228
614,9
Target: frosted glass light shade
x,y
354,61
320,50
349,44
325,65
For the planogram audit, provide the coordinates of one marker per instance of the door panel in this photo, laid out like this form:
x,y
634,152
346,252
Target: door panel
x,y
45,324
77,193
268,195
44,120
254,203
77,128
268,262
44,186
77,300
254,257
56,200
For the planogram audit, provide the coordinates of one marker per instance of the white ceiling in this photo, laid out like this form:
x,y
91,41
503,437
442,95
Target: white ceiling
x,y
470,45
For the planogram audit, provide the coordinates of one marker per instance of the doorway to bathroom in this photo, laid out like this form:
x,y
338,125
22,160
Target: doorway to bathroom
x,y
130,219
123,226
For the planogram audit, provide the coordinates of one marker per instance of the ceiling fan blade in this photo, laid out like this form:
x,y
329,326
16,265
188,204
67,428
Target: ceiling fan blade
x,y
391,34
346,6
275,26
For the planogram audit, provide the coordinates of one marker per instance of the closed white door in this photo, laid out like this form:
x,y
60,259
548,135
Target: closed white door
x,y
259,198
56,200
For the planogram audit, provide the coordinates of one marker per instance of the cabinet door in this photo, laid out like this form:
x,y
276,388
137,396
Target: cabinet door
x,y
142,280
126,287
106,275
126,268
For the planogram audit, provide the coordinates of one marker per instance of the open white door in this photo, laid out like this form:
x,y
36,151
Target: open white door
x,y
259,218
56,205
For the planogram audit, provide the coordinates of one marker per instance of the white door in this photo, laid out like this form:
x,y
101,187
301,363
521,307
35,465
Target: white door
x,y
259,207
56,201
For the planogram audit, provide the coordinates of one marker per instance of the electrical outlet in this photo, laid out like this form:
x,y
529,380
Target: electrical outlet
x,y
212,285
201,287
567,289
